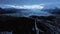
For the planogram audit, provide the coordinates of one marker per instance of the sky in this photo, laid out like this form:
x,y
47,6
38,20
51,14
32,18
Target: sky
x,y
31,2
22,2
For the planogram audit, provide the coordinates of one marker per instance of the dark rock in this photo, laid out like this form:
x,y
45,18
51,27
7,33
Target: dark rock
x,y
19,25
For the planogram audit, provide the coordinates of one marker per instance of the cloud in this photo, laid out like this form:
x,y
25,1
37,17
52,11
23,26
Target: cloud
x,y
27,6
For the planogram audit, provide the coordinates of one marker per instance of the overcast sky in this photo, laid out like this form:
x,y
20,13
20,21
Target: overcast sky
x,y
28,2
47,3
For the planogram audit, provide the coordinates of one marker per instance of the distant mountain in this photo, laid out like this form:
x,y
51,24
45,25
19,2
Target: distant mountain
x,y
53,11
9,10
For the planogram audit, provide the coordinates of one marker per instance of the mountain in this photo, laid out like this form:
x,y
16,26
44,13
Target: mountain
x,y
5,11
53,11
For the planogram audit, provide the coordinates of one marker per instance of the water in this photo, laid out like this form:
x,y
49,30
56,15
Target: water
x,y
29,12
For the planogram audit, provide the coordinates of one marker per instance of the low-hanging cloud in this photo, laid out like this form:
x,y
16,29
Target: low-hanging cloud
x,y
27,6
